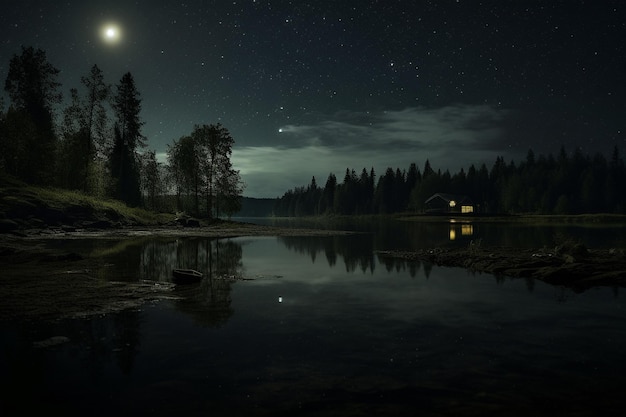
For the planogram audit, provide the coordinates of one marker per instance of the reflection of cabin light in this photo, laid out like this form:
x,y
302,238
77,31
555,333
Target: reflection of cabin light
x,y
452,234
467,230
452,203
280,299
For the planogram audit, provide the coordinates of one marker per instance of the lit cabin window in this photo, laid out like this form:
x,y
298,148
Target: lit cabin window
x,y
467,209
452,203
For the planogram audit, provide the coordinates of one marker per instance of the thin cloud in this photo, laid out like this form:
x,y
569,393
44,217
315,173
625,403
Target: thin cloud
x,y
411,127
451,137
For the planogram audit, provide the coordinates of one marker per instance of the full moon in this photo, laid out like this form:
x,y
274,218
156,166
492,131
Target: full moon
x,y
111,33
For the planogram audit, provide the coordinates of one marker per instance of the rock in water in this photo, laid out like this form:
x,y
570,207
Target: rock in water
x,y
52,341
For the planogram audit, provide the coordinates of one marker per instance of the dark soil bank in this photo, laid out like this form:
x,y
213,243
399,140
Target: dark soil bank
x,y
575,267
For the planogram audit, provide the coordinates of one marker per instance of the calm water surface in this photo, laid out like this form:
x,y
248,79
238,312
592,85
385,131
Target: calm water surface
x,y
321,326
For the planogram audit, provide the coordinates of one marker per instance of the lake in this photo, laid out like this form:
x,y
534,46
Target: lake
x,y
303,326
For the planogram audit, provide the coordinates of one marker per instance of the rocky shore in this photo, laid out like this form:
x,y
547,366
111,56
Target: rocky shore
x,y
572,266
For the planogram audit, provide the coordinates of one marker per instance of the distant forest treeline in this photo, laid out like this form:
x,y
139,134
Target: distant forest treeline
x,y
566,184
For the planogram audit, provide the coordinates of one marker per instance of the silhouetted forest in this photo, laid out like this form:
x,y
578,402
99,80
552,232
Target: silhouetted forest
x,y
97,145
566,184
98,148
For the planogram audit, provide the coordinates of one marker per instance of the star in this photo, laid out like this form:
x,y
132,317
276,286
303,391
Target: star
x,y
485,75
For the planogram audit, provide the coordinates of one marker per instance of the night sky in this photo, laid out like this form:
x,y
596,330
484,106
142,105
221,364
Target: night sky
x,y
309,88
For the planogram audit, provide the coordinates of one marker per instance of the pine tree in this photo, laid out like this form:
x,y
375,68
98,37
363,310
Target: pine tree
x,y
33,89
128,137
327,201
384,199
127,106
125,181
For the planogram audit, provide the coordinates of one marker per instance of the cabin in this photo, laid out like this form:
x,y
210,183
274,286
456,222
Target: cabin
x,y
442,203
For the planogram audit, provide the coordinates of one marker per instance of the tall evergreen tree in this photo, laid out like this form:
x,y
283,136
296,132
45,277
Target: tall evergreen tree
x,y
345,197
124,166
127,106
412,177
128,137
32,86
327,202
428,170
384,198
33,89
365,193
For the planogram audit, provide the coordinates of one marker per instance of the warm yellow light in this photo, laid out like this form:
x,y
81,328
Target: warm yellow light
x,y
452,203
452,234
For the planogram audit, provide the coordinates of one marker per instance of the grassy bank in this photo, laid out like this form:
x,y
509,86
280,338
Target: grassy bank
x,y
31,206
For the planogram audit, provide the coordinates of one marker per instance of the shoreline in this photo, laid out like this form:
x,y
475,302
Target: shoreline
x,y
218,229
51,284
575,267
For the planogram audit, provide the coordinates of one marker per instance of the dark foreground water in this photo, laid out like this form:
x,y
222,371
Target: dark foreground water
x,y
320,326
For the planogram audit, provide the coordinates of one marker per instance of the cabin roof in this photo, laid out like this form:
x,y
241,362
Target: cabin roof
x,y
450,197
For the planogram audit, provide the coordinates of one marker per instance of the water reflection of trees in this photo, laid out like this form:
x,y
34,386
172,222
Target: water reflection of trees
x,y
118,336
209,302
357,251
153,259
502,279
413,267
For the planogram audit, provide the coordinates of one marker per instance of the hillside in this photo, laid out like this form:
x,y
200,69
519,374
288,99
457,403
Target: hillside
x,y
27,207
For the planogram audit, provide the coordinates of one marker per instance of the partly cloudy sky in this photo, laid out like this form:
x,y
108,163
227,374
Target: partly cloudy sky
x,y
451,137
312,87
